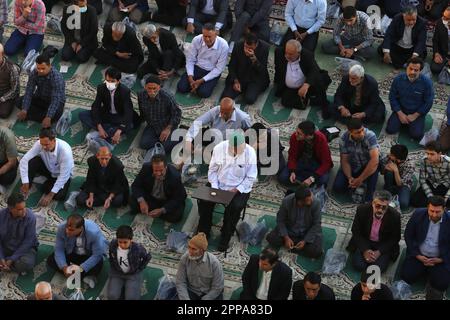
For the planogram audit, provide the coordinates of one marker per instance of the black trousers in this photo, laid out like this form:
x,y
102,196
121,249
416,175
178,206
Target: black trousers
x,y
360,264
310,250
99,199
201,18
38,110
399,55
310,41
169,216
108,58
9,176
68,54
230,217
6,108
169,12
250,91
166,62
420,200
76,259
36,167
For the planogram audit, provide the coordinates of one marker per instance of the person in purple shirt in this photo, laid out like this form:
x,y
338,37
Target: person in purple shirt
x,y
18,240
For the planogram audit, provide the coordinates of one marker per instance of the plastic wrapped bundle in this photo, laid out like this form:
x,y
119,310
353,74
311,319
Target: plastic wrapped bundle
x,y
176,241
167,289
71,203
335,261
258,233
401,290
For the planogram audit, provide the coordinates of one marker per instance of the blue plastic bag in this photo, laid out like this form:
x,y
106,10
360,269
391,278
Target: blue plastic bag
x,y
167,289
258,233
176,241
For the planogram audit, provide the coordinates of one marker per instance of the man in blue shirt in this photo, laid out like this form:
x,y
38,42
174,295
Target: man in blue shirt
x,y
18,240
427,237
411,97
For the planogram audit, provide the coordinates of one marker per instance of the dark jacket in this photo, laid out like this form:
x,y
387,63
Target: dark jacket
x,y
417,230
128,43
287,216
370,96
220,7
173,188
298,292
389,235
138,257
112,181
440,39
280,282
89,28
384,293
168,42
309,67
242,68
395,32
259,10
101,108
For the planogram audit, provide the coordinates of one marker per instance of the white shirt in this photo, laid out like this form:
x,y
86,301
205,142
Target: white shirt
x,y
263,289
122,259
59,162
208,9
113,107
406,41
212,59
227,172
295,77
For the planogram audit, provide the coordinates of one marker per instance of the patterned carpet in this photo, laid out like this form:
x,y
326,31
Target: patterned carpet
x,y
81,81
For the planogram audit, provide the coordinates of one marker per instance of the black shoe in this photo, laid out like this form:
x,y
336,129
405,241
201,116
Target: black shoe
x,y
222,247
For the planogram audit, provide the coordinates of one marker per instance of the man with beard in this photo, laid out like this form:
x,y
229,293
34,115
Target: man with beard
x,y
411,98
200,273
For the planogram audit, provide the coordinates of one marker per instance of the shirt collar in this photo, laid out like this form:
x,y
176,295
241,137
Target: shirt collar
x,y
233,115
55,151
436,223
214,46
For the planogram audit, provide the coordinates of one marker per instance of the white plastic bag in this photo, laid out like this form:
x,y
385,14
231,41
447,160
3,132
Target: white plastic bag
x,y
395,203
158,148
167,289
54,23
344,64
385,22
276,33
431,135
131,24
334,262
77,295
28,65
71,203
94,141
176,241
128,80
63,124
444,76
401,290
41,217
426,70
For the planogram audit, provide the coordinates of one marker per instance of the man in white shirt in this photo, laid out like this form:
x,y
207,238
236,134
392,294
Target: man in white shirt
x,y
233,167
52,158
205,63
208,11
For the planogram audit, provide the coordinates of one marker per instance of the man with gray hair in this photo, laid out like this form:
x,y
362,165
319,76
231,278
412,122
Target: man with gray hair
x,y
120,48
43,291
164,55
358,97
375,233
9,84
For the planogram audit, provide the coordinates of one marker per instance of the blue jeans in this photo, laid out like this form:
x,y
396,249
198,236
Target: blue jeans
x,y
403,192
150,138
303,171
416,128
19,40
204,90
110,126
341,183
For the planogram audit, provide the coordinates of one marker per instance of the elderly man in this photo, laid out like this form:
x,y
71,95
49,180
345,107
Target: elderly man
x,y
405,38
427,237
214,12
205,62
52,158
18,240
29,19
200,273
80,41
120,48
106,184
358,97
359,152
162,114
80,247
298,77
411,98
111,112
8,158
158,192
352,36
43,291
9,84
441,56
266,277
233,167
311,288
164,55
375,233
45,94
299,224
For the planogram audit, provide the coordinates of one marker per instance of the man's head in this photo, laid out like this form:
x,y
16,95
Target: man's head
x,y
303,196
356,75
152,86
226,108
16,205
349,16
197,246
311,283
112,78
292,50
209,34
118,29
103,156
305,130
267,259
356,129
446,15
436,208
74,225
433,151
2,52
43,291
124,235
236,142
151,32
398,154
43,65
159,166
250,43
80,3
409,16
47,139
413,67
380,203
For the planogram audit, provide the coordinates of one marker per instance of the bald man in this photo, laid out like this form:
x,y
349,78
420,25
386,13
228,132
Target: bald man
x,y
43,291
106,184
9,84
